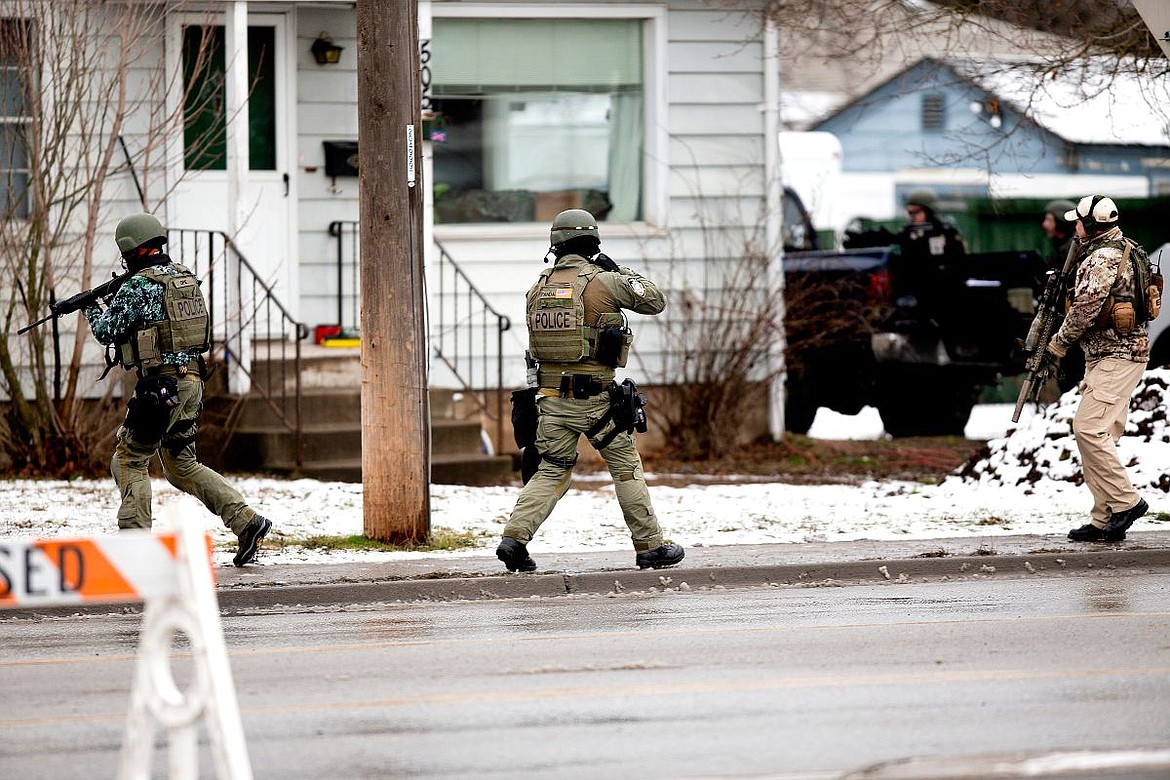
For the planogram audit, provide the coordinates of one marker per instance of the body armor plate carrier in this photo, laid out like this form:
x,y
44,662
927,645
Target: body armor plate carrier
x,y
186,327
558,330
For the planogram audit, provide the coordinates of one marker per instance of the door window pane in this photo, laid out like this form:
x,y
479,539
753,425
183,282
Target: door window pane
x,y
204,105
15,116
539,115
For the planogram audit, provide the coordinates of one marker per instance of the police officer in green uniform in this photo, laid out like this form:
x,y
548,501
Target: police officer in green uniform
x,y
578,335
157,324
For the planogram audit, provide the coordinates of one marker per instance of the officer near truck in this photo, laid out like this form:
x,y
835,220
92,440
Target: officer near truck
x,y
578,336
158,325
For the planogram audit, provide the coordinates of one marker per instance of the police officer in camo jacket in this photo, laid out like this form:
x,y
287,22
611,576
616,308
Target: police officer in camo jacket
x,y
157,323
1117,348
577,333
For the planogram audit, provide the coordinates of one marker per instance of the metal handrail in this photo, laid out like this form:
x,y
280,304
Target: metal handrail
x,y
459,314
258,317
469,312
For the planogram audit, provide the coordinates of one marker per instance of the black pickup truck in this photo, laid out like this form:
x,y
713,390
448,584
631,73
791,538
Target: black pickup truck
x,y
917,340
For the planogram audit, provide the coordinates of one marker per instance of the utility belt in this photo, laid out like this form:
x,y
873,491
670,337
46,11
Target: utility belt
x,y
195,366
579,386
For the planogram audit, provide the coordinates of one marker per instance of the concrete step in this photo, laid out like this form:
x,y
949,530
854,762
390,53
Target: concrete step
x,y
445,469
342,440
321,367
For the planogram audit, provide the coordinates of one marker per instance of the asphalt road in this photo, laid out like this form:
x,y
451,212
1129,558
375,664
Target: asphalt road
x,y
820,682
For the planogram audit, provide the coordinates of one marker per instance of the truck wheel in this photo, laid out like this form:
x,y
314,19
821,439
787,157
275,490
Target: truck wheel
x,y
799,412
943,411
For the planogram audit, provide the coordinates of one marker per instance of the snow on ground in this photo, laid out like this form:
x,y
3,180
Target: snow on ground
x,y
996,497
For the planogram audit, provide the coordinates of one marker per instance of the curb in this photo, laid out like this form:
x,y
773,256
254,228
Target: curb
x,y
612,583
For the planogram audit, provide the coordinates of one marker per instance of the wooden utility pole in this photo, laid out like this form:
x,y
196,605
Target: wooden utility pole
x,y
395,413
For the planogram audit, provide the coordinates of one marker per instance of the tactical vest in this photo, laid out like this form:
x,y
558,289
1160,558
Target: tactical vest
x,y
186,327
1124,313
558,326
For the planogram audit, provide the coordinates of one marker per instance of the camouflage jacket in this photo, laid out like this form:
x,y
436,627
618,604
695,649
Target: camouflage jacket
x,y
136,303
1097,277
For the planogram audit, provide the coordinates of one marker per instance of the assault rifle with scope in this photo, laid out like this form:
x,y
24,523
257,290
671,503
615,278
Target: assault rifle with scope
x,y
80,301
1039,364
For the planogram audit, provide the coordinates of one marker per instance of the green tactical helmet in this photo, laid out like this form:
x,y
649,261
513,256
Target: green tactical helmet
x,y
571,224
132,232
924,198
1058,208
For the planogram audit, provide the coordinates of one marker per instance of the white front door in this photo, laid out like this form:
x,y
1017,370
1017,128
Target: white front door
x,y
198,199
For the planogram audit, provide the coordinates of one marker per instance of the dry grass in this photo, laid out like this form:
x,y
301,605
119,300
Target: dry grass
x,y
804,460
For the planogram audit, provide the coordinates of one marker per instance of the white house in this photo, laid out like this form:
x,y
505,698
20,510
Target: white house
x,y
653,114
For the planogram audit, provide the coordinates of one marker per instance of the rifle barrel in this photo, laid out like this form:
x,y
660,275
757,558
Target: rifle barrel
x,y
1025,391
41,321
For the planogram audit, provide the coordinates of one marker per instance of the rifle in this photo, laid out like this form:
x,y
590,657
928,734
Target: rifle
x,y
1040,333
80,301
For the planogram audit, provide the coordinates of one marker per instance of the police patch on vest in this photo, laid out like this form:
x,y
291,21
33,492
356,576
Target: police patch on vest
x,y
553,319
188,308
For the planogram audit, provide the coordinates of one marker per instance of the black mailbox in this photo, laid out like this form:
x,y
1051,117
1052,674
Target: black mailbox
x,y
341,158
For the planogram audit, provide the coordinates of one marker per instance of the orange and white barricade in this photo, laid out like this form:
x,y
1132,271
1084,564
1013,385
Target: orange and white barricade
x,y
171,573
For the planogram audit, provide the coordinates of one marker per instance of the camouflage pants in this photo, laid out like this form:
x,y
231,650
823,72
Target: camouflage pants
x,y
1097,426
562,422
129,467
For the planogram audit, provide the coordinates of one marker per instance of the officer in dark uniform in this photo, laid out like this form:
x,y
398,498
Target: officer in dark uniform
x,y
158,325
1059,230
578,335
926,235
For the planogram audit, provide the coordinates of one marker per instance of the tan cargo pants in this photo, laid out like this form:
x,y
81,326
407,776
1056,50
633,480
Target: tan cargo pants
x,y
1097,427
561,424
177,452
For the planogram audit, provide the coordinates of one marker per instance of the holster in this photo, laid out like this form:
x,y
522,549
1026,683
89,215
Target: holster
x,y
626,410
149,412
524,416
629,412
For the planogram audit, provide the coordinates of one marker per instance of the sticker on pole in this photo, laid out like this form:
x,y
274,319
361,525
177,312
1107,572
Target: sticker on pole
x,y
132,566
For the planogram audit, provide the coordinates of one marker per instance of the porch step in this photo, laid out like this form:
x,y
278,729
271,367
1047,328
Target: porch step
x,y
333,439
328,441
445,470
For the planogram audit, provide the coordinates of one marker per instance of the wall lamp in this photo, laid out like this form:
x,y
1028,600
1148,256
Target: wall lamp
x,y
325,51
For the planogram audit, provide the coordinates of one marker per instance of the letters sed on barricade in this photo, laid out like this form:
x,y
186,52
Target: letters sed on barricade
x,y
132,566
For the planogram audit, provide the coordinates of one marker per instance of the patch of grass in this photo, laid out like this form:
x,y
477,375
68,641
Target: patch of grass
x,y
441,539
992,521
1160,517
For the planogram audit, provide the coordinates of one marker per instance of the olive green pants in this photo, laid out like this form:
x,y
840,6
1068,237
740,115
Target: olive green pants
x,y
177,452
561,424
1098,424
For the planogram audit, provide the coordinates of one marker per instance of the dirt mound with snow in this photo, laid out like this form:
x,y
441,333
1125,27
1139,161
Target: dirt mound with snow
x,y
1042,447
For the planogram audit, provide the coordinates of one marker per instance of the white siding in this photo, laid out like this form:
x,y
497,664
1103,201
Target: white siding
x,y
715,185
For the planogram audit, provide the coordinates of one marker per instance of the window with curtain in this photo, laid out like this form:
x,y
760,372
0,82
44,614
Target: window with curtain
x,y
539,115
16,120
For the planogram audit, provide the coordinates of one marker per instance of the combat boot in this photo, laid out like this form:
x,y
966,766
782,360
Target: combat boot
x,y
1091,533
1119,522
250,538
514,554
660,557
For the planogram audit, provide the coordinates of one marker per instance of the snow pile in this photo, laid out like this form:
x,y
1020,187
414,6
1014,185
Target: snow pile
x,y
1042,447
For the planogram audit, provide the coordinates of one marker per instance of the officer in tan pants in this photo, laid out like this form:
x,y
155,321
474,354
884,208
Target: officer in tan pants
x,y
578,334
1117,348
